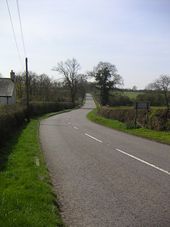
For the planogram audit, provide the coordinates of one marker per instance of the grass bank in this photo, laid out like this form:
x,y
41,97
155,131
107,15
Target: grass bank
x,y
159,136
26,196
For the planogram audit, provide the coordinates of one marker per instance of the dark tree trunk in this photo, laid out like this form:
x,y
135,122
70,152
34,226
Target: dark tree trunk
x,y
104,96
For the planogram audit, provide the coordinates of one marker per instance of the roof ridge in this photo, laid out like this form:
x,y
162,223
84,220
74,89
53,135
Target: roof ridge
x,y
5,78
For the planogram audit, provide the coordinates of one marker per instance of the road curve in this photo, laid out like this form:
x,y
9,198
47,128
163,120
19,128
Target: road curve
x,y
104,177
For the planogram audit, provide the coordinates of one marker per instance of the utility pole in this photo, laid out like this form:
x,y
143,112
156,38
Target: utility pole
x,y
27,90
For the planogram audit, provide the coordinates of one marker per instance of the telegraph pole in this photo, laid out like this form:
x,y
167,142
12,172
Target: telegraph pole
x,y
27,90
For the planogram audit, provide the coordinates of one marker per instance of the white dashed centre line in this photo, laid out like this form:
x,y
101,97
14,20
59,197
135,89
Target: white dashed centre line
x,y
146,163
92,137
75,128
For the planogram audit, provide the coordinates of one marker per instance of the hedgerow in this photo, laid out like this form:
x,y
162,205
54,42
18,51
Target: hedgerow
x,y
157,119
38,108
14,116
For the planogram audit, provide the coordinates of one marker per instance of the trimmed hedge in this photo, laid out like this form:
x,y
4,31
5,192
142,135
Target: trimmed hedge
x,y
119,100
14,116
38,108
157,118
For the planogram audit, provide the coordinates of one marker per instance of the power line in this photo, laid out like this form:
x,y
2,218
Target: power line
x,y
22,34
14,35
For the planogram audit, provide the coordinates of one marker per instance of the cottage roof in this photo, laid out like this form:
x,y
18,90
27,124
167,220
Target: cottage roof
x,y
6,87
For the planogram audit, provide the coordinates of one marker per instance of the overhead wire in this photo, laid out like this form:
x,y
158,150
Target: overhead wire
x,y
14,35
22,34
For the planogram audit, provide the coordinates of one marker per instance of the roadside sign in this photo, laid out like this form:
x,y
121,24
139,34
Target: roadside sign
x,y
142,105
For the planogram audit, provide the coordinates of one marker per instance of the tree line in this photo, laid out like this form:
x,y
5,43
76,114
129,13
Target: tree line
x,y
74,84
43,88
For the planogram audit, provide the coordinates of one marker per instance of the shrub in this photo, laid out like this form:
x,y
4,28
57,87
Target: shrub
x,y
157,118
13,116
155,98
119,100
37,108
132,125
168,125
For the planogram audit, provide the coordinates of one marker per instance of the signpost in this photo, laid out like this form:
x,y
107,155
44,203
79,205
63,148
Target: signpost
x,y
141,106
27,89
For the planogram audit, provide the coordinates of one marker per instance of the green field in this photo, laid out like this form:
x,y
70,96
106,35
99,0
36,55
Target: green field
x,y
132,94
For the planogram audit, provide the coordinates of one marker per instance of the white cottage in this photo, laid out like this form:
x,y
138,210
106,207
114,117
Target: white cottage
x,y
7,90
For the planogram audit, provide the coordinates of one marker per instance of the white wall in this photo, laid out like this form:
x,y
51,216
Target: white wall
x,y
4,101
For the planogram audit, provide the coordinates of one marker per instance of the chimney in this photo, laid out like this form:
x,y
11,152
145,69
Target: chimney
x,y
12,75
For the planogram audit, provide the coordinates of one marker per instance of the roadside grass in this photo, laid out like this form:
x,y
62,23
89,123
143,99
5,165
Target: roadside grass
x,y
26,196
159,136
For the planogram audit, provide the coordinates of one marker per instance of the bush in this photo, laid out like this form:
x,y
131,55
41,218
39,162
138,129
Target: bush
x,y
122,114
158,119
13,116
131,125
119,100
37,108
155,98
168,125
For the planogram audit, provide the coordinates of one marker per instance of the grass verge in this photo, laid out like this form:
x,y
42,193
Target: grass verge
x,y
159,136
26,196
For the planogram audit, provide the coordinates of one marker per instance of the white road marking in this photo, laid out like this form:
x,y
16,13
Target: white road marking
x,y
140,160
37,161
75,127
94,138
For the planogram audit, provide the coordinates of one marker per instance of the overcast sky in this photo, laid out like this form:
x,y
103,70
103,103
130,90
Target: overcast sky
x,y
134,35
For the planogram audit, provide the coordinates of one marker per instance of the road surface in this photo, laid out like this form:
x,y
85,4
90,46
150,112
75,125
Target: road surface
x,y
104,177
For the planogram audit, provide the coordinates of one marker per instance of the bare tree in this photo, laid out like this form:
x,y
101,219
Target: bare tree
x,y
162,84
41,88
69,69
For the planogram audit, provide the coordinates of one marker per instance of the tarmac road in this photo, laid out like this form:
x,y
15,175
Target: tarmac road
x,y
105,178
